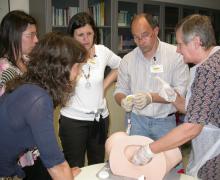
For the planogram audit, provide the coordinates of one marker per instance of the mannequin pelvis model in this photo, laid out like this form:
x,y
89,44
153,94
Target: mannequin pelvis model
x,y
120,147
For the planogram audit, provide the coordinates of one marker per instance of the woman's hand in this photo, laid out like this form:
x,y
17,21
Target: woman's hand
x,y
75,171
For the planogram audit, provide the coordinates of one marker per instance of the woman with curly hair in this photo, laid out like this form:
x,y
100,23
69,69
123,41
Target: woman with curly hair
x,y
27,106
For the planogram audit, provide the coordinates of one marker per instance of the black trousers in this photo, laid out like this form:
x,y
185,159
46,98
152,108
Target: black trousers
x,y
37,171
80,137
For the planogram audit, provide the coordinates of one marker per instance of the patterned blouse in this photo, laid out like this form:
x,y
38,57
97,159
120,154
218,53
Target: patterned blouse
x,y
7,72
204,107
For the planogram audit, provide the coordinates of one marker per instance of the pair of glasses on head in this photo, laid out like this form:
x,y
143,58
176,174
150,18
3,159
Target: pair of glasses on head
x,y
143,36
31,35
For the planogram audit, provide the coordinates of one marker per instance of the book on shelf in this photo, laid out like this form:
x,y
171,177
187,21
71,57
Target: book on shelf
x,y
101,36
120,42
125,43
61,16
102,12
97,10
156,18
122,18
71,11
170,38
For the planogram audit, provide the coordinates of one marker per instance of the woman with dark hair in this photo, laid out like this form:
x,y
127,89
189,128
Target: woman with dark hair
x,y
26,115
18,36
84,121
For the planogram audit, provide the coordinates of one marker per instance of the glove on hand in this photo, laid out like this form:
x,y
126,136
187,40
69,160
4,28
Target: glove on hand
x,y
142,156
166,91
127,103
141,100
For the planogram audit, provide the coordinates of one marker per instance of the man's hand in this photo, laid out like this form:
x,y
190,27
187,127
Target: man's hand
x,y
166,91
142,156
141,100
127,103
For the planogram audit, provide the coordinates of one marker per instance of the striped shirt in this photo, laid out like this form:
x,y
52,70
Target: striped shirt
x,y
7,73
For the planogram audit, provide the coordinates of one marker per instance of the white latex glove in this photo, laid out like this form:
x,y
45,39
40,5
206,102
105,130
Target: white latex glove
x,y
127,103
142,156
166,91
141,100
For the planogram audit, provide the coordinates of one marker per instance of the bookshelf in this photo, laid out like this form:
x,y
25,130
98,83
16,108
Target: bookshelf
x,y
125,11
54,15
172,16
113,18
155,10
101,12
186,11
61,13
216,24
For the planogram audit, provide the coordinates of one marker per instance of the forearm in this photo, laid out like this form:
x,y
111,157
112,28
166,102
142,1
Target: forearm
x,y
157,99
176,137
111,77
61,171
180,104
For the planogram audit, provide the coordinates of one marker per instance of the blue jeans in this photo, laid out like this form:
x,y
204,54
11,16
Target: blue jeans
x,y
153,128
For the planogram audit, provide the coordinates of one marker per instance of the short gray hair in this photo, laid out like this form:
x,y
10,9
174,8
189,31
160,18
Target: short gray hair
x,y
197,25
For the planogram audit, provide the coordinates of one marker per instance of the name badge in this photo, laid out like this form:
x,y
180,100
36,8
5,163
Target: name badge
x,y
156,68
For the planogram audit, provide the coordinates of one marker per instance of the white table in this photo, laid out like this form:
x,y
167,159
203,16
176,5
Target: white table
x,y
89,173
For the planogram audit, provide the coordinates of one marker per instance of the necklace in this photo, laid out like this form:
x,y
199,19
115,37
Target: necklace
x,y
86,73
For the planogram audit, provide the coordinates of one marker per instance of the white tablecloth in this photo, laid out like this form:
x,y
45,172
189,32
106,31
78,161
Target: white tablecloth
x,y
89,173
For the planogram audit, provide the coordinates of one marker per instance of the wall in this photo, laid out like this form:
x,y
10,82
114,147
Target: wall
x,y
19,4
3,8
117,114
14,4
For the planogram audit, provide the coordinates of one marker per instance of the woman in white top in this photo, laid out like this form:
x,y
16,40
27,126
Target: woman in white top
x,y
84,121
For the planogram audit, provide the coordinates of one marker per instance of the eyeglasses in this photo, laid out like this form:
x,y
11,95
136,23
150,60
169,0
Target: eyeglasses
x,y
31,35
143,36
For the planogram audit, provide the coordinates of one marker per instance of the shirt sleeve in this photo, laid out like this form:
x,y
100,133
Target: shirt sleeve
x,y
203,105
113,60
123,80
180,76
40,120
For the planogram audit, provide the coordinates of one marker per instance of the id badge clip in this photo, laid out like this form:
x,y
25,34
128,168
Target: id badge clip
x,y
156,68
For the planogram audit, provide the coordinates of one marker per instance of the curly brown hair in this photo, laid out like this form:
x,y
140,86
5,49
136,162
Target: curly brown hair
x,y
50,64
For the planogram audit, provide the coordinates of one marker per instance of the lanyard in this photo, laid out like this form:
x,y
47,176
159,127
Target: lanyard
x,y
128,130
